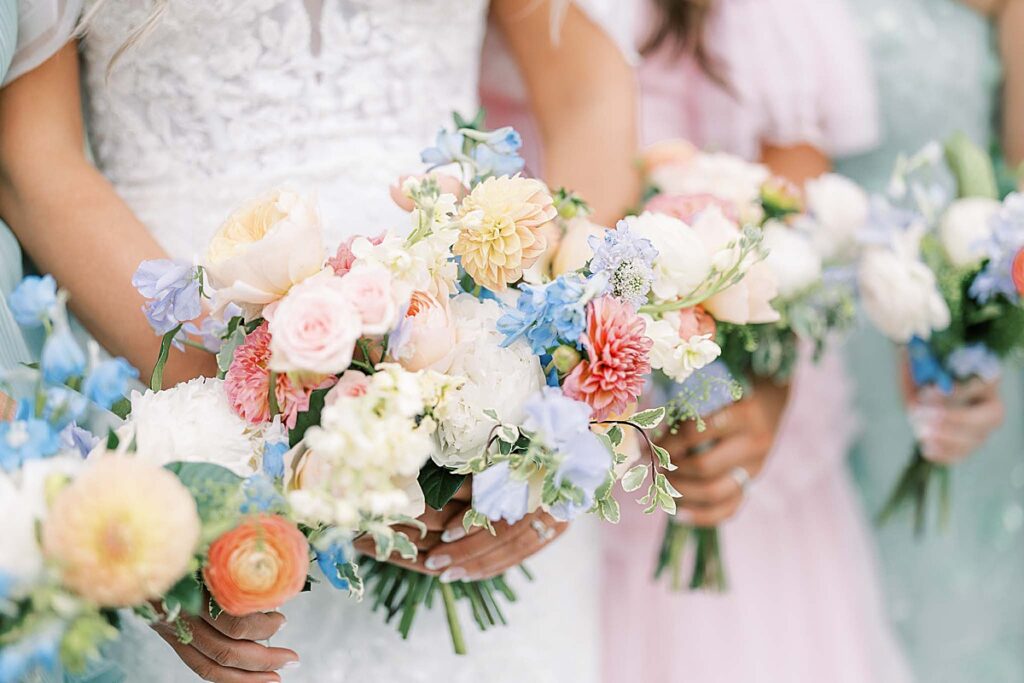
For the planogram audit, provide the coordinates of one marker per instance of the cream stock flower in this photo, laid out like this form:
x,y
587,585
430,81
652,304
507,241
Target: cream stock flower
x,y
500,233
123,532
263,249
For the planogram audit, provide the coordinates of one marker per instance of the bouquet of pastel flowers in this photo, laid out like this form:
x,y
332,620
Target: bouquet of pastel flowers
x,y
97,525
404,364
781,278
943,273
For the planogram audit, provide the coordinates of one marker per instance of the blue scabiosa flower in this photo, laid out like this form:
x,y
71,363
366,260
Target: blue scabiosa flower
x,y
172,292
447,149
975,360
925,368
25,439
626,260
551,314
1002,248
33,300
108,382
62,357
496,495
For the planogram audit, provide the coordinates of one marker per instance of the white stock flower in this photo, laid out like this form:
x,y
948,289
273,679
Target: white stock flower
x,y
192,422
494,378
678,358
682,263
839,208
425,266
965,229
792,258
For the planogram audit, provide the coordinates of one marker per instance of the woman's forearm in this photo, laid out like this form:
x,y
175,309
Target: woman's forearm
x,y
583,94
70,220
1011,44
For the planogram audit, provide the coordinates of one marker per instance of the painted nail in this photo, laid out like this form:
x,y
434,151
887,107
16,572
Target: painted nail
x,y
294,664
284,622
437,562
452,575
453,534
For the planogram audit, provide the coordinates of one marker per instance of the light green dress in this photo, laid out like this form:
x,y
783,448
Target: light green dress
x,y
956,599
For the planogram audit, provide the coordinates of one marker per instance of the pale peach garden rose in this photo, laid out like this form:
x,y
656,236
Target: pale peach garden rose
x,y
315,328
123,532
426,339
263,249
500,232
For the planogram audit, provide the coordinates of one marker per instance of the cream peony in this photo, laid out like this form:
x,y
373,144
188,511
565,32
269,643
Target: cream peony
x,y
192,422
494,378
792,259
965,229
123,532
899,293
839,209
315,327
263,249
675,356
682,264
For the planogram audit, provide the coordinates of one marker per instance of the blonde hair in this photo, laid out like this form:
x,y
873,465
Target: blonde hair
x,y
134,38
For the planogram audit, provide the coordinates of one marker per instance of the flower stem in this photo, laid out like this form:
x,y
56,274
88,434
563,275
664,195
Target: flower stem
x,y
454,626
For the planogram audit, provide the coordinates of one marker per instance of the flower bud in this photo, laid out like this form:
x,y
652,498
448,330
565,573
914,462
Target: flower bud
x,y
566,358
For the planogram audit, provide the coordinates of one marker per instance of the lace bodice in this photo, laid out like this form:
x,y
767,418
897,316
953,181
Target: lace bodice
x,y
227,97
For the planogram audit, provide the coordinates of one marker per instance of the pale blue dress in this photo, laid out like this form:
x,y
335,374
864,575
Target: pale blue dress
x,y
956,599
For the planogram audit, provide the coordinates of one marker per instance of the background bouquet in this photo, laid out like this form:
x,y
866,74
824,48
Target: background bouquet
x,y
944,276
781,279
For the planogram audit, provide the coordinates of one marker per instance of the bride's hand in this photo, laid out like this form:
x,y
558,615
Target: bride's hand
x,y
951,427
715,465
223,649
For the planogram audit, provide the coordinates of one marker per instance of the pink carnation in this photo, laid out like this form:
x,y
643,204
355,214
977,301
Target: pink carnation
x,y
343,260
618,358
248,383
687,207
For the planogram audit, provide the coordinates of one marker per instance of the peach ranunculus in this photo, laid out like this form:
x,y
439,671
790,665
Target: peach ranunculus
x,y
447,183
123,532
314,328
1018,272
257,566
426,337
369,290
667,152
500,229
695,322
618,358
574,251
263,249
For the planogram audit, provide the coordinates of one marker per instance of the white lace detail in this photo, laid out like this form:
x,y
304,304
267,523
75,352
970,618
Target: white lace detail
x,y
227,97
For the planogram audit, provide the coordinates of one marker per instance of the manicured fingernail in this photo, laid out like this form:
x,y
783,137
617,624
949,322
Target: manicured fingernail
x,y
284,622
452,575
294,664
437,562
453,534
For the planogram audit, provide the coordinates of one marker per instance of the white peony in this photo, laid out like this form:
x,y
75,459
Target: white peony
x,y
839,208
676,357
725,176
899,292
965,229
792,258
494,378
683,263
192,422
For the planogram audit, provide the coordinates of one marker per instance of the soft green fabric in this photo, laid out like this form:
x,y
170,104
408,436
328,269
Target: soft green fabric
x,y
956,599
8,33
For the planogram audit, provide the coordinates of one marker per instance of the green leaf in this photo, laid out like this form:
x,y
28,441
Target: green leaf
x,y
664,458
227,349
186,596
491,413
609,510
972,167
404,547
308,418
113,440
648,419
634,478
157,381
439,484
615,435
122,408
508,434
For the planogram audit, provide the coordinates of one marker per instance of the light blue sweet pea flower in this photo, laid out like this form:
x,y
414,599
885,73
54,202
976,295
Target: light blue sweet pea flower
x,y
25,439
489,162
74,438
586,465
63,406
62,357
171,288
496,495
33,300
504,140
447,149
107,383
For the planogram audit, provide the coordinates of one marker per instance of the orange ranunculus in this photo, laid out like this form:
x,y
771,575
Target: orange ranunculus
x,y
258,566
1018,272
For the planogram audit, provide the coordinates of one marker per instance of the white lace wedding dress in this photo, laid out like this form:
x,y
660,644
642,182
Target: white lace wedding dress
x,y
226,98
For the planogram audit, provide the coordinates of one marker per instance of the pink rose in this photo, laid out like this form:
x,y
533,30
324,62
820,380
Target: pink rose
x,y
344,259
449,185
687,207
352,384
749,300
696,322
674,152
368,289
426,338
314,328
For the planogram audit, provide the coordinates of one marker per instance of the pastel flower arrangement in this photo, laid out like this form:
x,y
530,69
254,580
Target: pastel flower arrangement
x,y
942,274
775,267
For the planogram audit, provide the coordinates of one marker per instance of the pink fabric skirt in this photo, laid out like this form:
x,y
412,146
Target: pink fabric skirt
x,y
802,606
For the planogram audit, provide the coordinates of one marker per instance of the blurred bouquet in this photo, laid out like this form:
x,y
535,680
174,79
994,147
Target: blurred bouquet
x,y
945,277
775,275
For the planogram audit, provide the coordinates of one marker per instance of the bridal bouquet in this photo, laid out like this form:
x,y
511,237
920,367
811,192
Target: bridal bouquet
x,y
945,277
781,278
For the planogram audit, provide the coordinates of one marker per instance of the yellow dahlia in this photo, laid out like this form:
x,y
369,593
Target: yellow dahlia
x,y
123,532
500,231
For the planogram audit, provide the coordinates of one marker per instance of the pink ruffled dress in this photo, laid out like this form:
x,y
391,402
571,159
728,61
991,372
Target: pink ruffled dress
x,y
803,604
